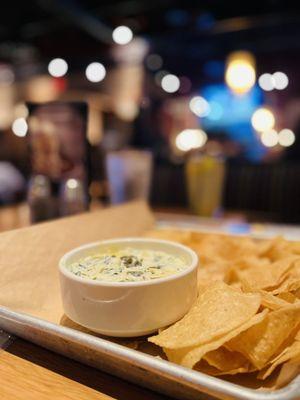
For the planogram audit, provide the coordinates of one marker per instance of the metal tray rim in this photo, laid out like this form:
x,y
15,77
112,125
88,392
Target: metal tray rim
x,y
149,362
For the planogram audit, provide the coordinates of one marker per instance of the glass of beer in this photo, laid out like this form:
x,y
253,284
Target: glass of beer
x,y
204,178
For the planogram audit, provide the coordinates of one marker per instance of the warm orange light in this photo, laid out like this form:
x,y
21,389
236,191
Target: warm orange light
x,y
240,72
190,139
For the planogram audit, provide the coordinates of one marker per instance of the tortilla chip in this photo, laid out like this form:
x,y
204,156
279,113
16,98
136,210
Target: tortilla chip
x,y
194,355
260,343
288,372
190,356
219,309
272,302
291,354
256,278
215,271
217,337
223,248
291,281
288,297
274,249
226,360
296,293
205,368
242,264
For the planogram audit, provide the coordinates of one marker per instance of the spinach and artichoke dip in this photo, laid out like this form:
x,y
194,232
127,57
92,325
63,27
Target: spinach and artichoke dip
x,y
127,265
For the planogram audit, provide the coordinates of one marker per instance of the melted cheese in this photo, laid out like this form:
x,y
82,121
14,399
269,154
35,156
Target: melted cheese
x,y
128,265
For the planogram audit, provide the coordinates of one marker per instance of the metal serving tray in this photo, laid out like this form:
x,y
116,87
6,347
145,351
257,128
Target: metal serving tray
x,y
132,365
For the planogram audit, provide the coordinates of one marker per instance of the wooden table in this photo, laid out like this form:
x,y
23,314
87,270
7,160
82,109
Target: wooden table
x,y
29,372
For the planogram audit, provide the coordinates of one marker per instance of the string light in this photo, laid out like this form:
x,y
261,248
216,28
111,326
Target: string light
x,y
269,138
122,35
240,72
199,106
170,83
286,137
95,72
190,139
72,183
20,127
266,82
57,67
280,80
263,120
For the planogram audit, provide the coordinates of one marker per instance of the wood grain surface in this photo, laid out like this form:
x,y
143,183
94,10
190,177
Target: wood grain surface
x,y
29,372
21,379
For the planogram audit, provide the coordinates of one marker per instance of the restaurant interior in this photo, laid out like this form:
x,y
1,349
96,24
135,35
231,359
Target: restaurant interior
x,y
190,108
209,90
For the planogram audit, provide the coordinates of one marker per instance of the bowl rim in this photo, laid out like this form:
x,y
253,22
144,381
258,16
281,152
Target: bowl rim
x,y
193,264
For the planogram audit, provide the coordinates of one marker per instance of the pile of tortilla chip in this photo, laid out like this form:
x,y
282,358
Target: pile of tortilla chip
x,y
246,318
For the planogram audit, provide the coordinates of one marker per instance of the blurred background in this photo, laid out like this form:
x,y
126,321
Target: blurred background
x,y
193,105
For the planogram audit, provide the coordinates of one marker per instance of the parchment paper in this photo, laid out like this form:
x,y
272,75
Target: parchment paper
x,y
29,279
29,257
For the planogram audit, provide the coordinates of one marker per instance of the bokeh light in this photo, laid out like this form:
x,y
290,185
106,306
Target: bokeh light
x,y
20,127
7,75
269,138
122,35
95,72
154,62
57,67
266,82
170,83
240,72
190,139
72,183
286,137
199,106
280,80
263,119
216,111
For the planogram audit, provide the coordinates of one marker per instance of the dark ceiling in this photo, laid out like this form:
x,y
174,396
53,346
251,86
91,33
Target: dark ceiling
x,y
28,20
180,30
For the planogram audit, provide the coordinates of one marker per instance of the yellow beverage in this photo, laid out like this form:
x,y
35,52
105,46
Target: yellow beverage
x,y
205,177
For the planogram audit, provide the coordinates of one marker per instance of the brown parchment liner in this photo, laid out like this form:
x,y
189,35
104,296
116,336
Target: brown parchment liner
x,y
29,257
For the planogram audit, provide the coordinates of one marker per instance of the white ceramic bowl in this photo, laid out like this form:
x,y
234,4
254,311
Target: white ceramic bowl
x,y
128,308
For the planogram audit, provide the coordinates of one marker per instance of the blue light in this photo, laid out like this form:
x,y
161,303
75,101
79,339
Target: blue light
x,y
216,111
231,114
230,109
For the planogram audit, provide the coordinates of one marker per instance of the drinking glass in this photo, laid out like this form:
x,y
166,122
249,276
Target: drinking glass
x,y
205,177
129,175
